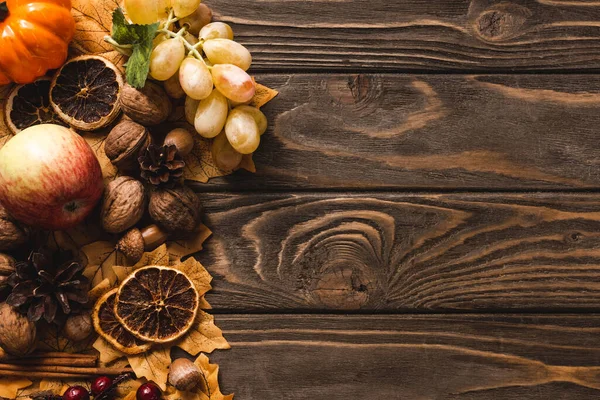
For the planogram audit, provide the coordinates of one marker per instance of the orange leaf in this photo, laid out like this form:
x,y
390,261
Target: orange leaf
x,y
263,96
210,390
152,365
204,336
184,247
9,387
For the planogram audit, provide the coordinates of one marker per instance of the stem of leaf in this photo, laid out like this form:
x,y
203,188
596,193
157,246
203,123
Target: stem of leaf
x,y
125,49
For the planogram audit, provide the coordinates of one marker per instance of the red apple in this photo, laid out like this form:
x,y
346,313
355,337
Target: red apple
x,y
49,177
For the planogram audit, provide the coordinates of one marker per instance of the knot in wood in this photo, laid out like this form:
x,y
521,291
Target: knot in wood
x,y
503,22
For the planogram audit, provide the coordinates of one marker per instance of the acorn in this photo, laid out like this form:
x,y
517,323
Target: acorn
x,y
184,375
137,241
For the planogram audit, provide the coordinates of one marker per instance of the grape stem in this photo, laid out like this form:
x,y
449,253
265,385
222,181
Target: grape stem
x,y
125,49
192,49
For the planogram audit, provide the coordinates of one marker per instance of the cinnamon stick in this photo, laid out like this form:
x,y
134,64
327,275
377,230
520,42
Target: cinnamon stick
x,y
67,362
51,354
64,375
26,369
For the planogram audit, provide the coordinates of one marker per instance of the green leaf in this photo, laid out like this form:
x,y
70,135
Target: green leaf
x,y
140,37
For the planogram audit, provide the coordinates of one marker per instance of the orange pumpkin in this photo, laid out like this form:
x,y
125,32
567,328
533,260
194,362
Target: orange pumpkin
x,y
34,37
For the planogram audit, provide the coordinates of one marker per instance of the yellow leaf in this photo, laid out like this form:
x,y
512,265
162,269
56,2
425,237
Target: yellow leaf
x,y
152,365
199,164
108,353
93,20
101,257
9,387
51,386
197,273
99,290
262,96
204,336
50,338
247,163
160,256
96,141
128,387
5,133
210,390
192,244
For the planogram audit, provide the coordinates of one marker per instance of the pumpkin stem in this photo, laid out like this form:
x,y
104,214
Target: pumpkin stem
x,y
3,11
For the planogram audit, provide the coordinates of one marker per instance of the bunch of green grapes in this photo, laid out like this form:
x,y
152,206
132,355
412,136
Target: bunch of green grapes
x,y
202,62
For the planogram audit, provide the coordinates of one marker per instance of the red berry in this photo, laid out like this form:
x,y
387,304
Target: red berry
x,y
76,393
100,385
149,391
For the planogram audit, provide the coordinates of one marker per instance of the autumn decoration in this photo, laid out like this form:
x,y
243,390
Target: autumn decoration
x,y
108,116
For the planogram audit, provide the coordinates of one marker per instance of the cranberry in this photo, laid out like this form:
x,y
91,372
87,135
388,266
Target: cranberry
x,y
76,393
149,391
100,385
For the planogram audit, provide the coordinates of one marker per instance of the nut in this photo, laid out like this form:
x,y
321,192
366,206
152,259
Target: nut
x,y
124,144
7,267
184,374
136,242
148,106
182,139
124,204
12,234
78,327
17,334
176,209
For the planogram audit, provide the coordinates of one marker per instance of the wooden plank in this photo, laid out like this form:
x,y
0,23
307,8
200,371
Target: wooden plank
x,y
427,132
458,357
395,252
417,35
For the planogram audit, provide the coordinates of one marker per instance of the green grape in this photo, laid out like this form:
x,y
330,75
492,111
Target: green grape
x,y
233,82
211,115
191,106
166,58
225,51
147,11
216,30
183,8
224,155
197,20
242,131
173,87
195,78
259,117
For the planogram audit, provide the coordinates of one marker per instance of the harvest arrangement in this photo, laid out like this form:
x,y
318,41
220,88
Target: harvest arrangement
x,y
106,118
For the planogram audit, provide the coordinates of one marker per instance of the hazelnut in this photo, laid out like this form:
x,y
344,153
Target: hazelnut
x,y
201,17
136,242
7,267
78,327
182,139
124,204
17,334
148,106
12,233
176,209
124,144
184,375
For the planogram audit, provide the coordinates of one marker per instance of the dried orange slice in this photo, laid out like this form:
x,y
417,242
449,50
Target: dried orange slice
x,y
157,304
29,105
85,92
107,326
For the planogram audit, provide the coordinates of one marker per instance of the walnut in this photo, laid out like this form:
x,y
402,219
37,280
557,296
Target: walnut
x,y
176,209
148,106
12,234
7,267
124,204
124,144
17,334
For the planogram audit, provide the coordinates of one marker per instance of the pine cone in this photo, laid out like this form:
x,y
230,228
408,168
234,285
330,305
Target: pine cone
x,y
44,282
162,166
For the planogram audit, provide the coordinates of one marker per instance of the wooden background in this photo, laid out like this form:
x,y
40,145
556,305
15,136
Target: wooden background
x,y
425,220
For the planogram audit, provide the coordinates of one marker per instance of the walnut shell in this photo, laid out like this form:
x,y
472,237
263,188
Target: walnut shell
x,y
124,144
12,234
148,106
124,204
17,334
176,209
7,267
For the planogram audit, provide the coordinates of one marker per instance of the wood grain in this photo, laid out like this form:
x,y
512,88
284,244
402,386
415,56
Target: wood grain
x,y
417,35
470,357
395,252
427,132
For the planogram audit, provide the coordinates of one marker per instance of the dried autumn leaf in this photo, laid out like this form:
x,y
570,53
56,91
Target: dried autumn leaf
x,y
99,290
101,257
159,256
184,247
210,390
204,336
5,133
51,339
152,365
197,274
10,387
93,21
262,96
108,354
96,141
199,164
